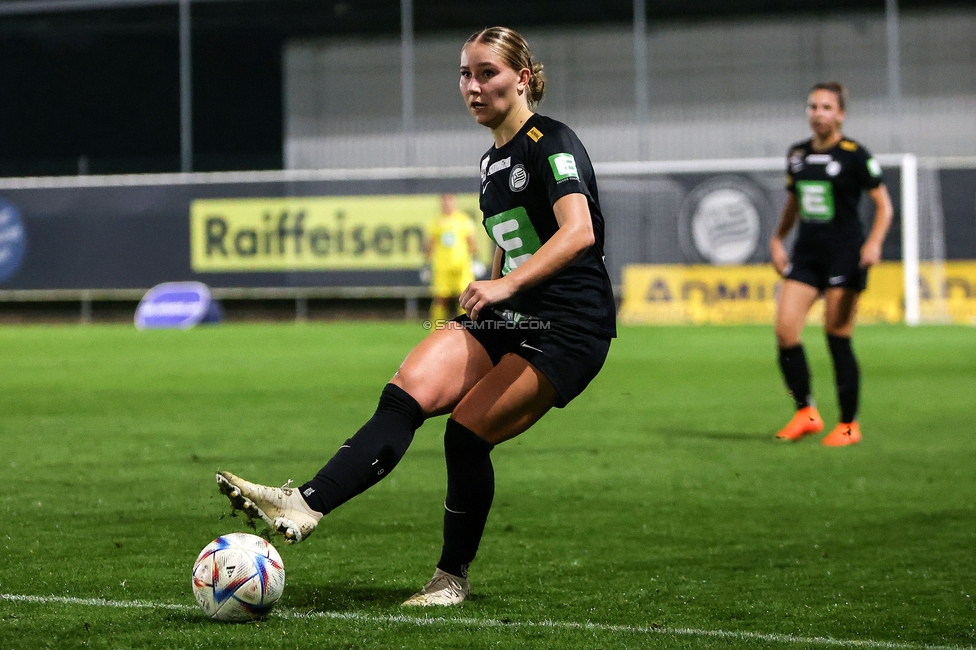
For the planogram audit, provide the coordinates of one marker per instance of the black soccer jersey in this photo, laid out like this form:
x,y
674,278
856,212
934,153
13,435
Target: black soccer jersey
x,y
520,182
828,188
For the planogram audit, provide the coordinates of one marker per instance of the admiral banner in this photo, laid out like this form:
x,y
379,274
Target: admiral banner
x,y
662,294
313,233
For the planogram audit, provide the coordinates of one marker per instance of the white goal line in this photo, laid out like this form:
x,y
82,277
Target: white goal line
x,y
502,624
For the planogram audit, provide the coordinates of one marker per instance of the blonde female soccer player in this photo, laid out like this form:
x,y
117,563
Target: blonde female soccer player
x,y
531,338
825,178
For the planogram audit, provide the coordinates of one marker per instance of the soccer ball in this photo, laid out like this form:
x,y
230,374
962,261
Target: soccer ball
x,y
238,577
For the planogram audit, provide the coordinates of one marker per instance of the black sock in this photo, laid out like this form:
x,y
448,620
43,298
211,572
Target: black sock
x,y
369,455
470,490
847,375
793,363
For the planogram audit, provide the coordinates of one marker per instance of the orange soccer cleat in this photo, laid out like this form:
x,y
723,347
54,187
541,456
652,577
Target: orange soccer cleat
x,y
805,422
845,433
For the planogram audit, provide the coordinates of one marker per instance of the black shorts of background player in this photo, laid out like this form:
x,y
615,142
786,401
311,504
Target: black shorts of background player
x,y
532,337
825,178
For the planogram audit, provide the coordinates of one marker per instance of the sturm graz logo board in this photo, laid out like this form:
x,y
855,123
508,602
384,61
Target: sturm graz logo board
x,y
724,220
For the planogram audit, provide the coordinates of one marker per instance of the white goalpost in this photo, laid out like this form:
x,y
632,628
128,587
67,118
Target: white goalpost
x,y
910,238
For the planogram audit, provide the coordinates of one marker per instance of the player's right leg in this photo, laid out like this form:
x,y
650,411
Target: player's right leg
x,y
795,300
282,509
432,380
361,462
806,421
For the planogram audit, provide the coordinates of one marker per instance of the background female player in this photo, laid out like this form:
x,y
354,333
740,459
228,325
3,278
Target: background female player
x,y
825,177
531,338
450,251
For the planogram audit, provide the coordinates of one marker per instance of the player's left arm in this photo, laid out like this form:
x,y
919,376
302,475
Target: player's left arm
x,y
871,250
572,238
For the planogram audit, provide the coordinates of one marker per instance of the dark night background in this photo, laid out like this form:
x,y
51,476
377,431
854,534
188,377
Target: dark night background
x,y
99,89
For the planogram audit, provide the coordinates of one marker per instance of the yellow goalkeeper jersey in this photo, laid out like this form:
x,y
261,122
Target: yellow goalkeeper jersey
x,y
449,241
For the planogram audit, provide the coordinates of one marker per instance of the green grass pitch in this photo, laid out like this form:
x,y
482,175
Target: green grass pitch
x,y
656,511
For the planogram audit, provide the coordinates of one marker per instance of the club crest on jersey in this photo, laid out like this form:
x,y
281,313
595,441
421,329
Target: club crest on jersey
x,y
518,178
796,160
832,168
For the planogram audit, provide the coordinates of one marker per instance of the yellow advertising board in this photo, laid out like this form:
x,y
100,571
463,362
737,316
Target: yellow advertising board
x,y
317,233
956,301
658,294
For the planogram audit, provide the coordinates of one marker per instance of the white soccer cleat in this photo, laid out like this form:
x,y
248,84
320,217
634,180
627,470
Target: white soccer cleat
x,y
282,508
443,589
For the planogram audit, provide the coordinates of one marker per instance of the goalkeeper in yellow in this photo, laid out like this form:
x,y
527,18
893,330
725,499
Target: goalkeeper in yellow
x,y
450,254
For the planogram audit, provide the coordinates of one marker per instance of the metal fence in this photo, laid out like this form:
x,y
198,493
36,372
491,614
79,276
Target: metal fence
x,y
720,89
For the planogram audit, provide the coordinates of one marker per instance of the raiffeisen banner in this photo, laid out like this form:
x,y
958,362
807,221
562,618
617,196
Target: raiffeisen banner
x,y
313,233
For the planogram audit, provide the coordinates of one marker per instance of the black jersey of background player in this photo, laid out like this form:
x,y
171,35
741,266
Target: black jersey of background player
x,y
828,186
520,181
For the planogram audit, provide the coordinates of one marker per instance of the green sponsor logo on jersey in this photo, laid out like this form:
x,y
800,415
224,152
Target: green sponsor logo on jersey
x,y
563,166
514,233
874,168
816,200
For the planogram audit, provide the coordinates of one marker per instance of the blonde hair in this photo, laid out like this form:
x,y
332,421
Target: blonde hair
x,y
514,50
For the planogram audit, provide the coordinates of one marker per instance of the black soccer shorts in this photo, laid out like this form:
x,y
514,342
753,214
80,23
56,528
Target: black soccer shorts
x,y
829,268
568,356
